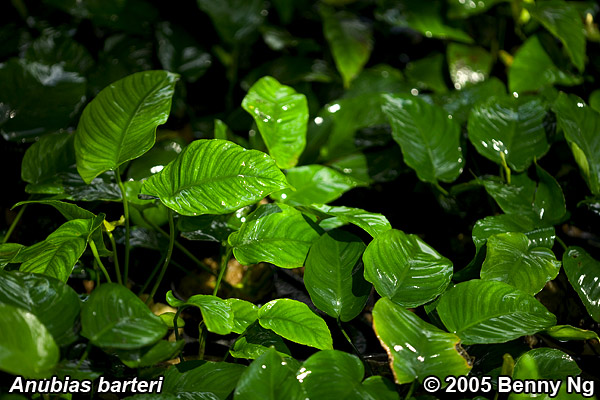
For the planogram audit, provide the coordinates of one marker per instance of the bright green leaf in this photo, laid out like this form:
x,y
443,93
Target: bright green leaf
x,y
216,313
373,223
568,332
244,314
583,271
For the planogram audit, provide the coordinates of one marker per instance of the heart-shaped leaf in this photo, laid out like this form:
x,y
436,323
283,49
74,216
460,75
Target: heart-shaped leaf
x,y
191,377
481,311
334,275
113,317
244,314
373,223
216,313
406,269
214,177
256,340
504,223
53,153
296,322
415,348
281,115
583,271
332,374
120,123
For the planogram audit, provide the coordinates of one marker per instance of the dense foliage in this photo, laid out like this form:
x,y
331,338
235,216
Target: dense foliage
x,y
300,200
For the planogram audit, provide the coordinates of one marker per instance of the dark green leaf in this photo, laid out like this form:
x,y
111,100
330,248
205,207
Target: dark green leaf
x,y
429,140
417,349
244,314
53,153
151,355
332,374
218,378
583,271
594,100
113,317
56,47
381,78
69,185
296,322
504,223
214,177
568,332
406,269
179,52
380,388
459,103
256,340
463,9
281,115
468,64
481,311
154,160
216,313
428,73
236,21
120,123
373,223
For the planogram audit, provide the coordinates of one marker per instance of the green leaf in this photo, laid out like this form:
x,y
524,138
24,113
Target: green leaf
x,y
26,346
296,322
459,103
373,223
218,378
269,377
53,153
236,21
509,129
406,269
54,303
151,355
429,140
153,161
281,115
216,313
69,185
9,252
468,64
533,69
581,125
334,275
314,184
582,271
464,9
274,233
350,41
513,259
481,311
594,100
332,374
415,348
380,388
564,22
214,177
113,317
428,73
256,340
568,332
244,314
56,46
120,123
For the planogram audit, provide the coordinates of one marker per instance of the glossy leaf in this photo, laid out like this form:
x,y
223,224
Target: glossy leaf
x,y
509,129
151,355
428,73
415,348
296,322
120,123
69,185
350,41
26,346
9,252
581,125
314,184
334,275
406,269
256,340
244,314
568,332
274,233
54,303
468,64
582,271
53,153
332,374
281,115
113,317
269,377
373,223
459,103
236,21
214,177
481,311
513,259
428,139
191,377
179,52
216,313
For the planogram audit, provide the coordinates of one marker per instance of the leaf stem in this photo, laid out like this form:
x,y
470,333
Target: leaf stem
x,y
177,337
115,257
152,275
12,226
99,261
505,166
370,371
441,189
563,244
167,258
411,389
127,231
223,268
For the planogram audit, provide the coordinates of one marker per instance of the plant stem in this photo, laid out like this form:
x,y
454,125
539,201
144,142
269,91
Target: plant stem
x,y
177,337
560,241
84,356
99,261
115,257
441,189
127,233
505,166
339,322
12,226
167,258
223,268
411,389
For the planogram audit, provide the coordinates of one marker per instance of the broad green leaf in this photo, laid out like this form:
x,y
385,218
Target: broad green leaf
x,y
350,41
54,97
236,21
53,153
9,252
113,317
151,355
468,64
428,73
69,185
269,377
594,100
332,374
562,19
481,311
296,322
334,275
415,348
381,78
314,184
512,258
274,233
533,69
581,125
256,340
582,271
463,9
214,177
214,228
244,314
218,378
380,388
216,313
120,123
373,223
26,346
428,139
568,332
281,115
509,130
406,269
54,303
